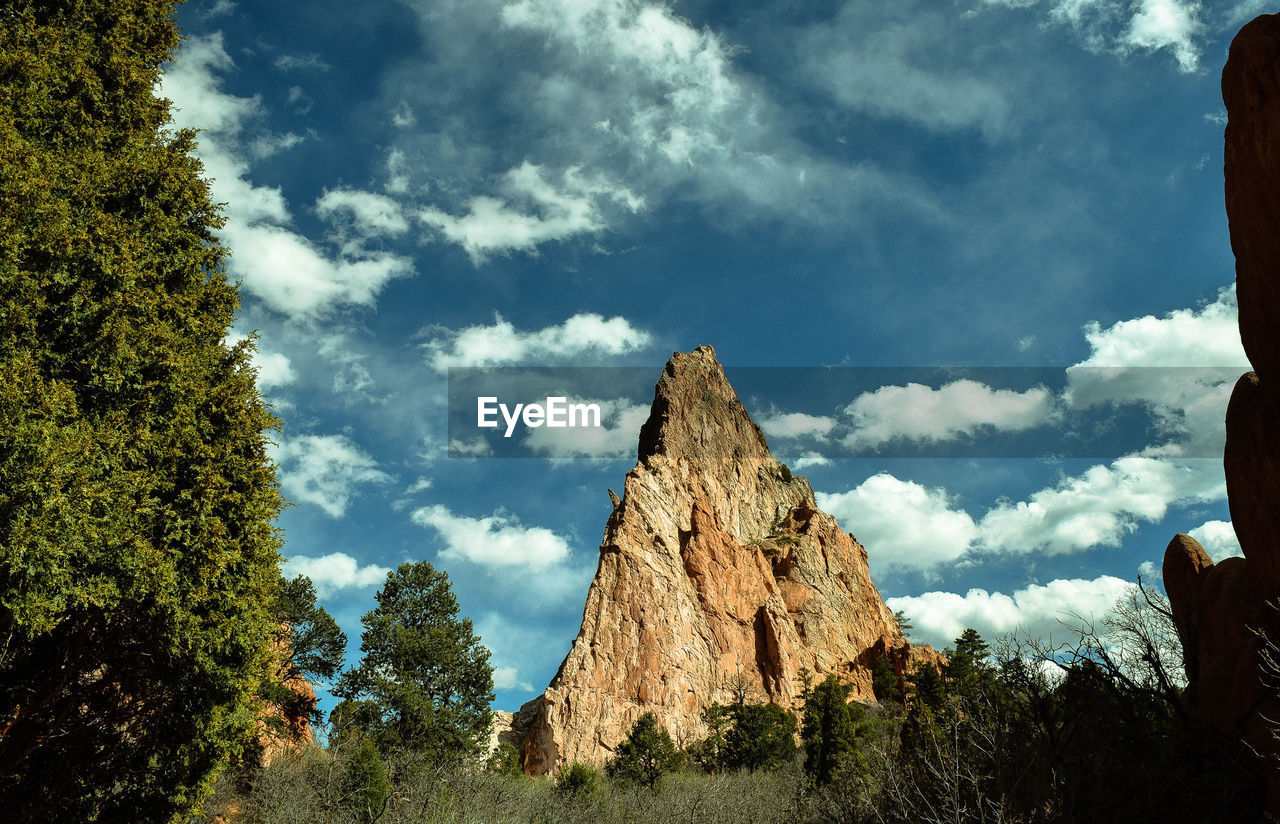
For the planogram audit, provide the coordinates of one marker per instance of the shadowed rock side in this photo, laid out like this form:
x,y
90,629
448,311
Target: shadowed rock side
x,y
1218,606
716,566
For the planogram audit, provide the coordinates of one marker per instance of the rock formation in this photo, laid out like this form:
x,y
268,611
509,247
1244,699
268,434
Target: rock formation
x,y
1219,607
716,569
283,729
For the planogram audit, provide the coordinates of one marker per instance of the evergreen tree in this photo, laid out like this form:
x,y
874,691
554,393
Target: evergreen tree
x,y
645,755
424,673
831,729
138,555
763,737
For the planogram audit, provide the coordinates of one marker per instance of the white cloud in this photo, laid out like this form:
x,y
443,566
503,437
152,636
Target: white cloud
x,y
1209,336
496,541
420,485
1182,366
584,334
959,409
796,425
680,81
325,470
335,571
475,448
1167,23
281,267
274,369
1035,610
1218,539
372,214
508,678
809,459
1100,506
533,211
902,523
616,437
1120,26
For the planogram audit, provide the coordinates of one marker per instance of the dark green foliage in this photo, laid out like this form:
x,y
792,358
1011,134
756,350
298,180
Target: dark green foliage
x,y
365,785
746,737
784,472
317,646
904,623
831,730
425,676
578,780
505,760
926,687
138,552
884,681
309,646
646,754
763,737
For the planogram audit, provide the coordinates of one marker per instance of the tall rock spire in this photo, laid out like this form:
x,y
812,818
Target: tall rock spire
x,y
716,568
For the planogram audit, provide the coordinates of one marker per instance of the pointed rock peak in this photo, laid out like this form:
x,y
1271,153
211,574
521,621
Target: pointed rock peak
x,y
696,413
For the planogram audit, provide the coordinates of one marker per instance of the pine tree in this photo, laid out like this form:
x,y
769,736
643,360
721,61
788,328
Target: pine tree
x,y
138,552
425,679
646,754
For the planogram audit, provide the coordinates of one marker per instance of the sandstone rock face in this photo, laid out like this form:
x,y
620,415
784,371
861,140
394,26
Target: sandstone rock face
x,y
1219,608
280,732
1251,90
716,568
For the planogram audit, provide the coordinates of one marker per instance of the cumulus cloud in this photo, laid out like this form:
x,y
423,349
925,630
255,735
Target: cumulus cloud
x,y
371,214
325,470
1168,24
902,523
1100,506
335,571
1218,539
584,334
616,437
963,408
1035,610
1208,336
284,269
498,540
1182,366
532,211
810,459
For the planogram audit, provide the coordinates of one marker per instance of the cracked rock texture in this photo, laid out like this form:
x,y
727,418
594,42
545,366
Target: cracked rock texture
x,y
716,568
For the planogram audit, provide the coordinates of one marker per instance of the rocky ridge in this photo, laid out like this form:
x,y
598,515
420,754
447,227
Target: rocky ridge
x,y
1221,608
717,571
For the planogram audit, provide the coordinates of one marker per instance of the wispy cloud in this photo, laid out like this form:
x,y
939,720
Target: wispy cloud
x,y
325,470
285,269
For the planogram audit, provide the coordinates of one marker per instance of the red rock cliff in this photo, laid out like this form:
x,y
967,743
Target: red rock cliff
x,y
716,565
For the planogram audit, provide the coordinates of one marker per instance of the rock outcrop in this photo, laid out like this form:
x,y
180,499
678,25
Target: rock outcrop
x,y
1220,608
717,570
285,728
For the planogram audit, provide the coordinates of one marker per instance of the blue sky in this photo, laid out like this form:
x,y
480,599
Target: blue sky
x,y
414,185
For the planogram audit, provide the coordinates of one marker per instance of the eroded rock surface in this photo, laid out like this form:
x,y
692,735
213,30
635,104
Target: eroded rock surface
x,y
716,568
1221,608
